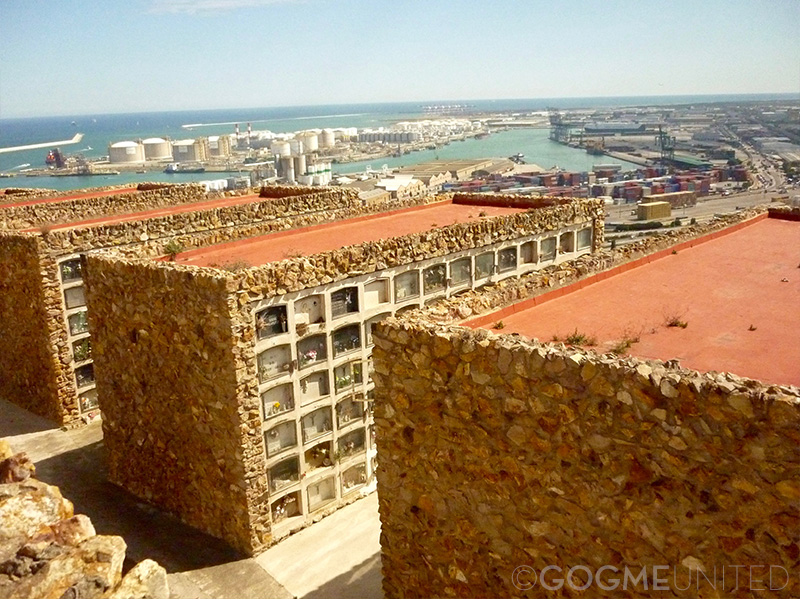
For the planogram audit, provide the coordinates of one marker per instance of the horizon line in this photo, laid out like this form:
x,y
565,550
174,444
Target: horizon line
x,y
787,95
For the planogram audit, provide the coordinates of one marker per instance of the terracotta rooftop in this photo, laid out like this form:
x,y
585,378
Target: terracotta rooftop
x,y
331,236
51,199
158,212
737,292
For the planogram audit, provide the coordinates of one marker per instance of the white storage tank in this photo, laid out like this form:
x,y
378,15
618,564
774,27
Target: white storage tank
x,y
280,148
327,139
310,141
300,165
157,149
296,145
287,167
126,152
187,151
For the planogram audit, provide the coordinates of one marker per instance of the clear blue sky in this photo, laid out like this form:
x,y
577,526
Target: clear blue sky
x,y
91,56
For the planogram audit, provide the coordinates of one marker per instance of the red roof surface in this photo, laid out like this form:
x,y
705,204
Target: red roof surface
x,y
158,212
330,236
739,295
51,199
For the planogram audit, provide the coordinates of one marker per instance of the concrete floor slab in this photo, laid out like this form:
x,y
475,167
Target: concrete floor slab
x,y
337,557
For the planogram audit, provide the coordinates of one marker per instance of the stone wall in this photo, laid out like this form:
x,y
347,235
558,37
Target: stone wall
x,y
176,371
30,372
499,457
179,428
512,200
46,551
147,196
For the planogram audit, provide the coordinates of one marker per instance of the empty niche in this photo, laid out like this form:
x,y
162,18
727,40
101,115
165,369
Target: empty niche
x,y
528,252
567,240
309,310
376,293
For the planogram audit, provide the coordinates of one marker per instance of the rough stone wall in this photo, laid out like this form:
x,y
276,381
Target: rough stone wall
x,y
498,454
178,429
509,291
30,372
176,373
146,197
46,551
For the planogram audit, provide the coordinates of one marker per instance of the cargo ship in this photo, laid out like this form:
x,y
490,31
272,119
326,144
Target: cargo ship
x,y
180,168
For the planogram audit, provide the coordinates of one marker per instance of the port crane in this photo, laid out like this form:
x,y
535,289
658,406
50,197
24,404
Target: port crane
x,y
666,144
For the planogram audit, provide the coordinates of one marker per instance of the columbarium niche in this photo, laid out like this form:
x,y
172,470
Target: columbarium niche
x,y
274,362
349,411
507,259
271,321
284,474
347,376
317,424
314,387
460,271
548,248
354,477
344,301
278,400
484,265
280,438
435,279
406,285
311,350
321,493
346,339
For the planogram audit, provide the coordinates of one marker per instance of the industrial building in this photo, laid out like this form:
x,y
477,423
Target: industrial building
x,y
253,384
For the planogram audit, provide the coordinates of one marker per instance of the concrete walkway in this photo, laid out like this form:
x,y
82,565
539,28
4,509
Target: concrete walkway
x,y
337,557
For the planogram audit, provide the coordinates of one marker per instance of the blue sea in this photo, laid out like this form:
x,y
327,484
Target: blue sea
x,y
100,130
